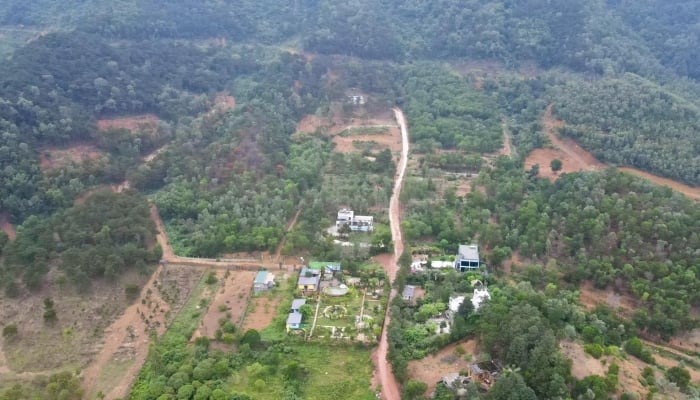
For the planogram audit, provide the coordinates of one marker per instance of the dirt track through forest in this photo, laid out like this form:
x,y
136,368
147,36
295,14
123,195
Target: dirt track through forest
x,y
382,372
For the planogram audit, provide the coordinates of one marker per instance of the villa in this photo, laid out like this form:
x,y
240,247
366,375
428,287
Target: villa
x,y
357,223
467,258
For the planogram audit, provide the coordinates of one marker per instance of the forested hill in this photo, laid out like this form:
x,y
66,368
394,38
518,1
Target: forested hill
x,y
648,37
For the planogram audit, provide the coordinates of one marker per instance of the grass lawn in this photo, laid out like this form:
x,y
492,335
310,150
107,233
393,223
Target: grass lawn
x,y
352,302
334,372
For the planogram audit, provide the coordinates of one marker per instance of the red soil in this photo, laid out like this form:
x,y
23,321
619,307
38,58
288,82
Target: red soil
x,y
131,123
573,157
432,368
233,293
7,227
390,140
54,158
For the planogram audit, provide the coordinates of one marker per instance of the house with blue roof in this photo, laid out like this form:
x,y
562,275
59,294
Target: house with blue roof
x,y
264,280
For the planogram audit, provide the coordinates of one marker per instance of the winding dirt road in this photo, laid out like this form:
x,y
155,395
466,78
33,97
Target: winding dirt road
x,y
382,371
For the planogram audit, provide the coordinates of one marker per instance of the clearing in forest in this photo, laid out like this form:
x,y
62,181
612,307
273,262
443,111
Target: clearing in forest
x,y
590,297
229,301
574,158
53,158
430,369
583,365
378,129
224,102
133,122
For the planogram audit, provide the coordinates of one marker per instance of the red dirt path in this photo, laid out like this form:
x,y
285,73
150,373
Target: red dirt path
x,y
7,227
131,123
382,373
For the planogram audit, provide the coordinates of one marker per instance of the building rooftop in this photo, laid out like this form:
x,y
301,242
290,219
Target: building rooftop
x,y
455,302
297,303
408,291
309,280
345,214
324,264
294,318
261,277
480,295
468,251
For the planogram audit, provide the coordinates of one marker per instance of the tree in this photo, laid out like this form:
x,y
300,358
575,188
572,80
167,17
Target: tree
x,y
49,311
344,230
307,311
414,390
556,165
511,386
680,376
9,331
251,337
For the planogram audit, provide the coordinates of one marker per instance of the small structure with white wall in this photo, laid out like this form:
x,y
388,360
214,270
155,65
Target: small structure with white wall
x,y
357,223
264,280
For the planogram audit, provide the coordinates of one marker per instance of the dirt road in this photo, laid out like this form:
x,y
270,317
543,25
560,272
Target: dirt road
x,y
578,159
383,373
170,257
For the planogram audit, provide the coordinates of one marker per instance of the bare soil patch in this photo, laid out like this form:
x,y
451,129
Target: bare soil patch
x,y
689,341
590,297
629,375
582,364
155,153
669,362
391,140
127,340
574,158
263,308
224,102
432,368
133,122
231,297
54,158
311,123
82,318
7,227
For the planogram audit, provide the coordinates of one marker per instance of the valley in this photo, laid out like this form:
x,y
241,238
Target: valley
x,y
271,200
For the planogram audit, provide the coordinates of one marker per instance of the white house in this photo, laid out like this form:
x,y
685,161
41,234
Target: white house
x,y
357,223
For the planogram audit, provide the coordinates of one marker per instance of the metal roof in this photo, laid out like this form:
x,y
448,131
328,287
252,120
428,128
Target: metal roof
x,y
294,318
297,303
261,277
468,251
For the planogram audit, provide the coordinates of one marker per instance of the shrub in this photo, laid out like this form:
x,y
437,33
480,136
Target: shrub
x,y
594,350
680,376
635,347
131,291
9,331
